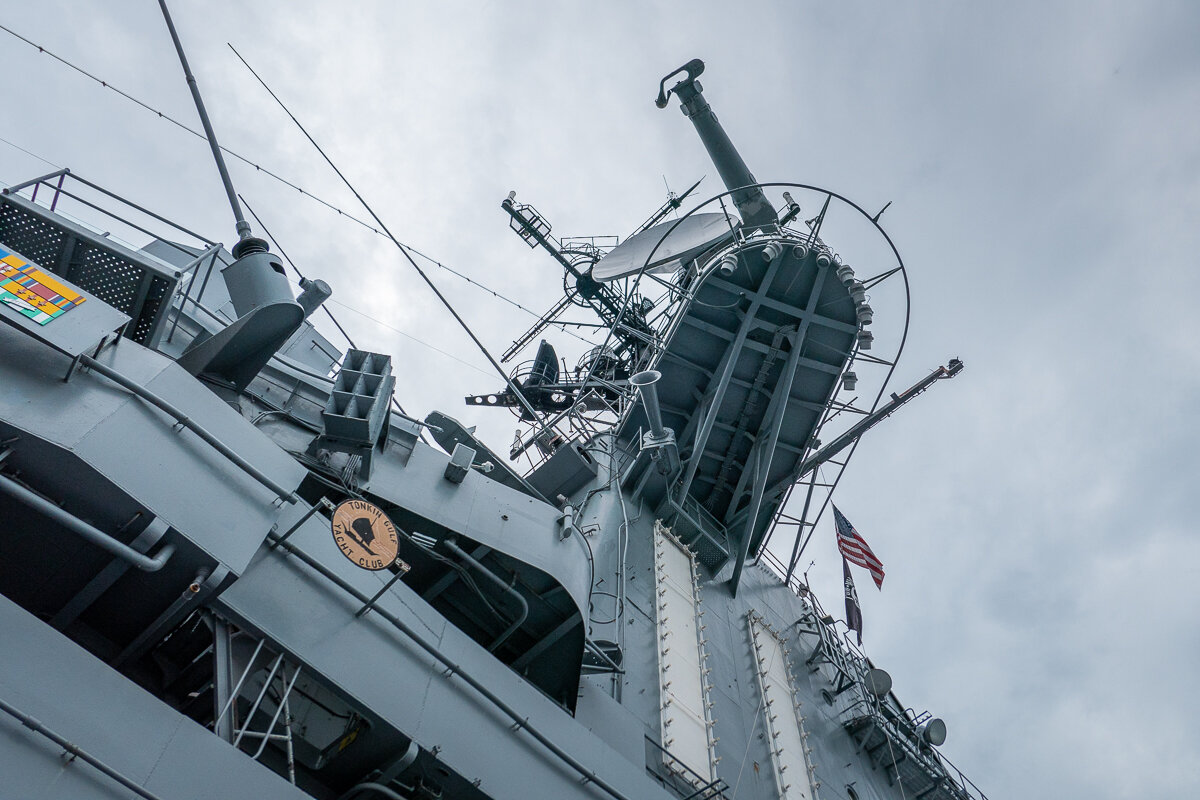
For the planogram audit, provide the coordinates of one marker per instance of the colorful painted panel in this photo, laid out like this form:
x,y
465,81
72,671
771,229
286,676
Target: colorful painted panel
x,y
31,292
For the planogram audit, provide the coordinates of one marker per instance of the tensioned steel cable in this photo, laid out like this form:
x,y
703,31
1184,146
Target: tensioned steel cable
x,y
361,313
295,269
178,124
29,153
512,385
275,176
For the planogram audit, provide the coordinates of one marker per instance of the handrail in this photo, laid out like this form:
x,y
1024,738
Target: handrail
x,y
934,759
519,721
75,751
43,180
182,419
696,778
85,530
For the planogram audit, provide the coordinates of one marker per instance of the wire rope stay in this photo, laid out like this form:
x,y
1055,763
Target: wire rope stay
x,y
258,168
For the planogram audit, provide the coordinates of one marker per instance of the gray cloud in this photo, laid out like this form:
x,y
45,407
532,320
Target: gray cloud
x,y
1036,515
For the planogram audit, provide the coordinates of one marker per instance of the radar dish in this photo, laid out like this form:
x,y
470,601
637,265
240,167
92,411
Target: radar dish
x,y
693,236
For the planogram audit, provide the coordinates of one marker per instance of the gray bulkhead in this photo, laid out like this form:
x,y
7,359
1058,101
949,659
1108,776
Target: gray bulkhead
x,y
101,451
78,696
539,711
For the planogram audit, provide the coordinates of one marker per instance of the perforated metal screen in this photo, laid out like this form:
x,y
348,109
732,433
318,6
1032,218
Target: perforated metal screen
x,y
120,277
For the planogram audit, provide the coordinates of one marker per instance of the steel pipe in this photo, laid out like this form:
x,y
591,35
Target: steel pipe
x,y
645,381
520,721
87,531
76,751
40,179
167,407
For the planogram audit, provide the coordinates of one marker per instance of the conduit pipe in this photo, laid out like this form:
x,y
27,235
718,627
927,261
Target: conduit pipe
x,y
84,529
75,751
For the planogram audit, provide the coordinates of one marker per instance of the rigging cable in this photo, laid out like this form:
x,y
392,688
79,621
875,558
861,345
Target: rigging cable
x,y
259,168
269,174
383,324
181,125
29,152
295,269
512,385
332,318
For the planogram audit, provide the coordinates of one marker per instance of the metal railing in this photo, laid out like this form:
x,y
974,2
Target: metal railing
x,y
59,189
899,729
76,752
676,770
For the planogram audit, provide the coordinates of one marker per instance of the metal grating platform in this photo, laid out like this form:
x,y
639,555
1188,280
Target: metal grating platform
x,y
126,280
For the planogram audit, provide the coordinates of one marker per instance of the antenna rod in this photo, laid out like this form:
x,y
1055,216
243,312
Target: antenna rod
x,y
243,227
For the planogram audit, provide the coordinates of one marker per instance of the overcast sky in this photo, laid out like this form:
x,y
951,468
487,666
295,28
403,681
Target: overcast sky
x,y
1036,516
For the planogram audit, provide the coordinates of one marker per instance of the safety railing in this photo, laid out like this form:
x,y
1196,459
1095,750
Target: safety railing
x,y
93,258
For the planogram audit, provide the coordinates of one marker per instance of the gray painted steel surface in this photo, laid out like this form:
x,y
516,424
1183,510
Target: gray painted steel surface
x,y
138,448
748,370
488,512
131,282
370,661
114,719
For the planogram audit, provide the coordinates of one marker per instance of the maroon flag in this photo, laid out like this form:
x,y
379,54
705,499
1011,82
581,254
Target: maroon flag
x,y
855,550
853,611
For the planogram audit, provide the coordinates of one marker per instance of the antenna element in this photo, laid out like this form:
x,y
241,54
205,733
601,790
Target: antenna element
x,y
243,227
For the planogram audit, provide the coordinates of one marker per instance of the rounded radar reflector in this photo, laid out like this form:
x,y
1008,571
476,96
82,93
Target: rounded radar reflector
x,y
878,682
690,238
933,731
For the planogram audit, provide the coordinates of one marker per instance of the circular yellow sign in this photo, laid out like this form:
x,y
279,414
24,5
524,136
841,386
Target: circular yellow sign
x,y
365,535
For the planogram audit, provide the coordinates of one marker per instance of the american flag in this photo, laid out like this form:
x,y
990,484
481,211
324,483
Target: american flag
x,y
855,550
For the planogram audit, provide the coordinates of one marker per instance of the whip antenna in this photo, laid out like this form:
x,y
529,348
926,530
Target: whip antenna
x,y
243,227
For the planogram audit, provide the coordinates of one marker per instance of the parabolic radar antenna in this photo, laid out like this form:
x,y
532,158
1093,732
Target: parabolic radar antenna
x,y
668,244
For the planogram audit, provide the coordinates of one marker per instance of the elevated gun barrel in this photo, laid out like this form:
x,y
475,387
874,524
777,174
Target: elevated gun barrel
x,y
751,203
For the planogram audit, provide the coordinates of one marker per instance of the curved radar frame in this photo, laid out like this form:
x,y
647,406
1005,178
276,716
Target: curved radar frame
x,y
798,549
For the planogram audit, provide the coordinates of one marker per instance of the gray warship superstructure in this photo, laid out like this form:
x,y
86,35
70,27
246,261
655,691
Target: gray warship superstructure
x,y
232,566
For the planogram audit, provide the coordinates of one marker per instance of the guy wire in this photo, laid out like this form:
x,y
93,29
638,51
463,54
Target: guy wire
x,y
512,385
259,168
